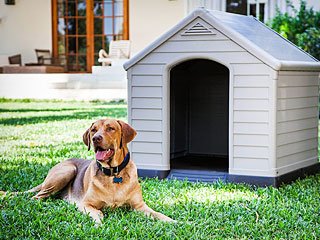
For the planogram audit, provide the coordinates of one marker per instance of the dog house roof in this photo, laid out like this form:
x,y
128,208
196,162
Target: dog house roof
x,y
249,33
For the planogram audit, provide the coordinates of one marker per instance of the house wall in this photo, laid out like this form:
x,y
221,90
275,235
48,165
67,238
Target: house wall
x,y
297,120
149,19
24,27
310,3
251,106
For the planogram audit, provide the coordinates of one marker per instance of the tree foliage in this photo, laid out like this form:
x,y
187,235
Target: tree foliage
x,y
302,27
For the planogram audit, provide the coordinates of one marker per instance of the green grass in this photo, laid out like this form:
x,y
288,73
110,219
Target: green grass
x,y
35,135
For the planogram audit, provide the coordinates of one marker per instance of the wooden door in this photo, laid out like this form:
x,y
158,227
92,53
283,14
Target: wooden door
x,y
82,27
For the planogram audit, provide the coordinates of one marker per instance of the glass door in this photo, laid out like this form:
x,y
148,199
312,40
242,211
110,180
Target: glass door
x,y
82,27
110,23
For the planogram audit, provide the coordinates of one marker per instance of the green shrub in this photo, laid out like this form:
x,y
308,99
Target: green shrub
x,y
302,28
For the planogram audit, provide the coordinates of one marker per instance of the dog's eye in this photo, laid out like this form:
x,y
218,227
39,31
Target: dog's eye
x,y
109,129
93,130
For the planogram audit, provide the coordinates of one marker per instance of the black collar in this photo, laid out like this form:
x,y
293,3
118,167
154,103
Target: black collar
x,y
113,171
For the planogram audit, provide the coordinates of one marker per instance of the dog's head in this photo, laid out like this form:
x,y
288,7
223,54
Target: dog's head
x,y
108,136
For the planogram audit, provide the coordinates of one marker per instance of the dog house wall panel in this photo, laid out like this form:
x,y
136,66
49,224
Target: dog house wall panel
x,y
297,120
272,103
145,109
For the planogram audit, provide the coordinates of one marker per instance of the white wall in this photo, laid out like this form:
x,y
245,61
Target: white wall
x,y
284,7
310,3
149,19
24,27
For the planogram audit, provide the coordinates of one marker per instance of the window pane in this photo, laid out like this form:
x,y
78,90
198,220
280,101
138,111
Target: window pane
x,y
61,9
261,16
108,26
62,26
98,26
72,61
108,8
107,40
97,44
82,61
118,37
82,43
253,10
72,47
118,8
81,8
61,45
82,26
71,26
97,9
237,6
71,8
96,57
118,25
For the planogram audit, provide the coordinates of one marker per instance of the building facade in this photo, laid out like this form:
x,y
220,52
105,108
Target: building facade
x,y
75,34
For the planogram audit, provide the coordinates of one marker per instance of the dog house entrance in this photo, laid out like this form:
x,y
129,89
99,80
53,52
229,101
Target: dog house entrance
x,y
199,116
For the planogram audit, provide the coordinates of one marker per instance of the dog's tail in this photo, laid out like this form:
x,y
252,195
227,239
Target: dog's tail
x,y
35,189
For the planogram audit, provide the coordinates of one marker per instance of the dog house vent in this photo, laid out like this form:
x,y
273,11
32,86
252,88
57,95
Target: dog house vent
x,y
198,29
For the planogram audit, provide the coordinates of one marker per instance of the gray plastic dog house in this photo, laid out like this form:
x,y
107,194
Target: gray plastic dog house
x,y
222,94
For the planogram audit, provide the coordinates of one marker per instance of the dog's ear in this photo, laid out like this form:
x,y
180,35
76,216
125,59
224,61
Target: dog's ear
x,y
128,133
86,137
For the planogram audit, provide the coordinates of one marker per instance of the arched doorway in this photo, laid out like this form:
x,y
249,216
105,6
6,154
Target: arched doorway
x,y
199,116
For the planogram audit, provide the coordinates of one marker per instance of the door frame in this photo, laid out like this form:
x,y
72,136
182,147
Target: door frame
x,y
166,103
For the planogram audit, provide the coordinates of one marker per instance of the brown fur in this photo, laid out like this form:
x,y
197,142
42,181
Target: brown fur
x,y
81,182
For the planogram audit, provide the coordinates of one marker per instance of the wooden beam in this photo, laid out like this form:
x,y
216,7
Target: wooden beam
x,y
54,14
126,19
90,35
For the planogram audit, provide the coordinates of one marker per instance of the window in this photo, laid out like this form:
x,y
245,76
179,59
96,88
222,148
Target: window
x,y
82,27
256,8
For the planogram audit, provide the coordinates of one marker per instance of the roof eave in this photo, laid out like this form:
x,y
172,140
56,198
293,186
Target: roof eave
x,y
299,66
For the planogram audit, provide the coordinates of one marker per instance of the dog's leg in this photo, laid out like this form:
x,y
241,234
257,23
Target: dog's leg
x,y
35,189
94,213
58,177
150,212
138,204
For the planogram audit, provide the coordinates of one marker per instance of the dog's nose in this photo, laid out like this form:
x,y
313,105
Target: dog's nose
x,y
97,139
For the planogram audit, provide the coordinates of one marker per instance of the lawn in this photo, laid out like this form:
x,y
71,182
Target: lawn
x,y
35,135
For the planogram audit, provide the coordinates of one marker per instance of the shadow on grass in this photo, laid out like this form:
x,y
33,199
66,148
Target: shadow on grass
x,y
22,176
89,114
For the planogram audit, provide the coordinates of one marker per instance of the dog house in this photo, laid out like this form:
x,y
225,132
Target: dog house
x,y
222,95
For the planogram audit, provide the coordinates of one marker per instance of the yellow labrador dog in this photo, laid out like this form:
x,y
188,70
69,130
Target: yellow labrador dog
x,y
110,181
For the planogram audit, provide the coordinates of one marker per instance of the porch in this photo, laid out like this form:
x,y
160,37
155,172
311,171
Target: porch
x,y
104,83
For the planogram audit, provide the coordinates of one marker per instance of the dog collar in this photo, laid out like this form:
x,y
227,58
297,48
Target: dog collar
x,y
113,171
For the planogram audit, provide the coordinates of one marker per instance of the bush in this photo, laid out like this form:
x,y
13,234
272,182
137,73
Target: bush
x,y
302,28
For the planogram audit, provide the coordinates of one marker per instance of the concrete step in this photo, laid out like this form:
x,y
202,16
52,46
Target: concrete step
x,y
197,175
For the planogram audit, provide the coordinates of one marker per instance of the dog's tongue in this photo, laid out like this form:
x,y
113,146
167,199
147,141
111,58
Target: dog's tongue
x,y
104,155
